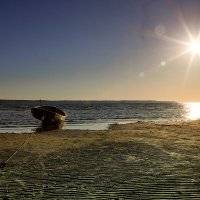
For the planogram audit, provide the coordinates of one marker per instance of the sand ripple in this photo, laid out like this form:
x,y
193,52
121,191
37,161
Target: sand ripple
x,y
111,170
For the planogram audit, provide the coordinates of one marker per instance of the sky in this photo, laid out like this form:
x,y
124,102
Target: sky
x,y
100,50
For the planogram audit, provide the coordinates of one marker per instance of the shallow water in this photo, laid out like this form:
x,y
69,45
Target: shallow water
x,y
15,116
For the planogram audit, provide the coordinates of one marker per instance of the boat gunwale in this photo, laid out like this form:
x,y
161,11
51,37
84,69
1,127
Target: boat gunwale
x,y
50,111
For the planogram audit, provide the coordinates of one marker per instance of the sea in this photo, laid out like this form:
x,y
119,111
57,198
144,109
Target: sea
x,y
15,115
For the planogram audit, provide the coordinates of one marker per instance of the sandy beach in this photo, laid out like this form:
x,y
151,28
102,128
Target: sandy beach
x,y
143,160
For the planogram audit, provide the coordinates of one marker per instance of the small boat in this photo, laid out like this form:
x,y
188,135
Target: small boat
x,y
48,114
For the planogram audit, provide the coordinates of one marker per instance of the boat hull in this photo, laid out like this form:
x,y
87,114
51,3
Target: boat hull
x,y
48,114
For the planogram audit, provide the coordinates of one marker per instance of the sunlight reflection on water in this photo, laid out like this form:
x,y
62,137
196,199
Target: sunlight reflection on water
x,y
192,110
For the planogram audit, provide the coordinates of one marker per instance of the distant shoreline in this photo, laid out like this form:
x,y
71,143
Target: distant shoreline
x,y
110,101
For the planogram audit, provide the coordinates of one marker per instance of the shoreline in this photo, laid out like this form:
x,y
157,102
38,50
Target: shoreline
x,y
90,126
55,140
139,160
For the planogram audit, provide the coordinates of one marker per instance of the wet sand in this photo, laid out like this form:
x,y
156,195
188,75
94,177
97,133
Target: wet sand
x,y
134,161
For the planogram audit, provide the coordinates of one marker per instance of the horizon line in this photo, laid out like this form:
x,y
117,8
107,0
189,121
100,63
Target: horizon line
x,y
93,100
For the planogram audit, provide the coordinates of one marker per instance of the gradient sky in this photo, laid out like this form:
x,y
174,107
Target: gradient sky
x,y
98,50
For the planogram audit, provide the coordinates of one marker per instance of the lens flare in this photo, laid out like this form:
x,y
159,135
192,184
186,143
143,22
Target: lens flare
x,y
188,46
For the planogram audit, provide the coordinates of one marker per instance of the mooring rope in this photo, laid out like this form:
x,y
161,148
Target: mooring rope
x,y
3,164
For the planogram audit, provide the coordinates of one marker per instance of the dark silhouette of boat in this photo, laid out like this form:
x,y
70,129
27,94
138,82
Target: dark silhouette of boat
x,y
48,114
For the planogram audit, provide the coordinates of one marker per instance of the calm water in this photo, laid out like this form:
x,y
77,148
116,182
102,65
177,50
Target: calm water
x,y
15,116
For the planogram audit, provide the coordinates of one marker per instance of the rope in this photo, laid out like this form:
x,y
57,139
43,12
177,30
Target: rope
x,y
3,164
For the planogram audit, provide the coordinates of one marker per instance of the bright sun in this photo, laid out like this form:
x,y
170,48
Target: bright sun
x,y
190,46
194,47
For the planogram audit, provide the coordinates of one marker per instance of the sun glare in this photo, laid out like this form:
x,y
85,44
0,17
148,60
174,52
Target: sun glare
x,y
193,110
194,47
